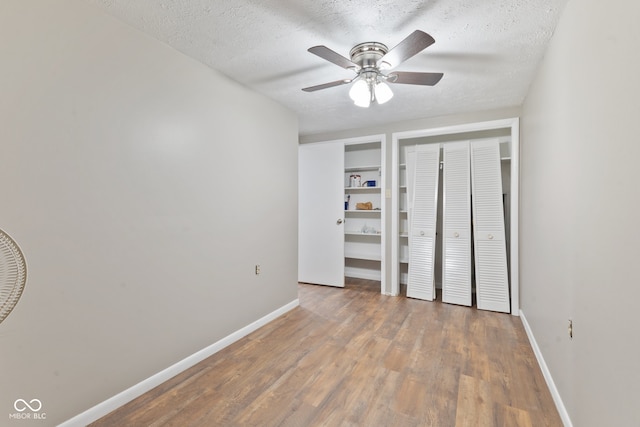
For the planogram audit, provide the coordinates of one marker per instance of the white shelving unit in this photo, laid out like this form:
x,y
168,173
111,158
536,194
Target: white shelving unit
x,y
364,229
403,222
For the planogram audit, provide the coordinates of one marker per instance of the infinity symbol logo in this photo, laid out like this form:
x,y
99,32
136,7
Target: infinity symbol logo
x,y
21,405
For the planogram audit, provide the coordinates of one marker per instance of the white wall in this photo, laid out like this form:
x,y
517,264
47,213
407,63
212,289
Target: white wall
x,y
419,124
143,187
580,240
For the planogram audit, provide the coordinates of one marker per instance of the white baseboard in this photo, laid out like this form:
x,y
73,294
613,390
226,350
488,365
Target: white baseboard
x,y
564,415
113,403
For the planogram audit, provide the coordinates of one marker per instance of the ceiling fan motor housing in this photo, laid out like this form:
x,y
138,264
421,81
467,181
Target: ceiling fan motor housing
x,y
367,55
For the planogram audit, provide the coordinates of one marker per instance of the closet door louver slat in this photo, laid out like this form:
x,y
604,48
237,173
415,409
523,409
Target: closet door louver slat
x,y
456,224
492,286
422,236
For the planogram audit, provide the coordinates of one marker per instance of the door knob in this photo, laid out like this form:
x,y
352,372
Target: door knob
x,y
490,236
339,221
456,234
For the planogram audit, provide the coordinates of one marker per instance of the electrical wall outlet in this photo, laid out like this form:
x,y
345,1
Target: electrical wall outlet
x,y
257,269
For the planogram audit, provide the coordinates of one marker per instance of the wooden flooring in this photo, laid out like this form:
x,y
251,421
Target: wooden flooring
x,y
353,357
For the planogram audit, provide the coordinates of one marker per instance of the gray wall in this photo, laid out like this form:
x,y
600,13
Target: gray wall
x,y
580,240
143,187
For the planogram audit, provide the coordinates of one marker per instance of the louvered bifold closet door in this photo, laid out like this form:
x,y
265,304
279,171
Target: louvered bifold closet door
x,y
422,234
456,224
492,286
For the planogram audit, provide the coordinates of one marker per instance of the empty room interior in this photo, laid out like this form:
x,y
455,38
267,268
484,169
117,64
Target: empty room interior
x,y
305,213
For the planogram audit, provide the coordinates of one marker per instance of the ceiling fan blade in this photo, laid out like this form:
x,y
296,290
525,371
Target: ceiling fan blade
x,y
410,78
327,85
331,56
414,43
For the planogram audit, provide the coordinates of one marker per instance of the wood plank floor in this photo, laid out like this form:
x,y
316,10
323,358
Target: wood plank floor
x,y
353,357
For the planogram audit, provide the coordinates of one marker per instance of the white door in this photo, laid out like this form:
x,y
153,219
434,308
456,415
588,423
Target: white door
x,y
492,284
456,224
321,214
422,234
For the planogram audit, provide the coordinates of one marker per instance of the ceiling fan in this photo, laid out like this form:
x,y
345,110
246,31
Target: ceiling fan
x,y
371,62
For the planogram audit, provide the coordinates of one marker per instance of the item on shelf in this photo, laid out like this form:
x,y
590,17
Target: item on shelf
x,y
370,183
366,206
346,202
368,230
355,180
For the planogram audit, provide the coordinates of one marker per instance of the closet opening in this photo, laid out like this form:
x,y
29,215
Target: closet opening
x,y
451,273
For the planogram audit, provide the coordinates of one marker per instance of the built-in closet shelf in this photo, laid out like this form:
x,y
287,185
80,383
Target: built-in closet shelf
x,y
362,189
403,212
360,233
404,260
363,211
362,168
364,256
404,234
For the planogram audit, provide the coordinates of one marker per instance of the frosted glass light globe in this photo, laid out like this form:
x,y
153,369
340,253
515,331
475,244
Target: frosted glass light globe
x,y
360,93
383,93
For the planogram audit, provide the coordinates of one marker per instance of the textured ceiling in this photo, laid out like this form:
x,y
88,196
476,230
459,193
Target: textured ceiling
x,y
487,49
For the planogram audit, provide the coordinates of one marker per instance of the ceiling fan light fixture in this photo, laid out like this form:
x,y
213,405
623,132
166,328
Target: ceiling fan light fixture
x,y
383,92
369,60
360,93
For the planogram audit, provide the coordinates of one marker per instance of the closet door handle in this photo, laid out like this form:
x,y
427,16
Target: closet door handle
x,y
456,234
490,236
339,221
